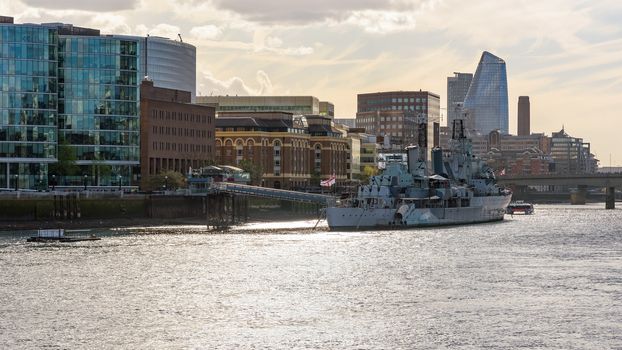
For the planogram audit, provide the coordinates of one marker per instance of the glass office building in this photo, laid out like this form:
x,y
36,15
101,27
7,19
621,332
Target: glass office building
x,y
28,104
98,107
70,90
486,102
170,64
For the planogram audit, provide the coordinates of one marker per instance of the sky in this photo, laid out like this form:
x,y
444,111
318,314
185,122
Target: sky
x,y
566,55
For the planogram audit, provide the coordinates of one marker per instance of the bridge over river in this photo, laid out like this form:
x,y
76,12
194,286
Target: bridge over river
x,y
580,181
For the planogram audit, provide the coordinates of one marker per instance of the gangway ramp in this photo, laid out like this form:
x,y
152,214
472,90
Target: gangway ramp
x,y
257,191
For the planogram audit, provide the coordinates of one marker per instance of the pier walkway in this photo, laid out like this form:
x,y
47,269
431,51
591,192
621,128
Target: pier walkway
x,y
257,191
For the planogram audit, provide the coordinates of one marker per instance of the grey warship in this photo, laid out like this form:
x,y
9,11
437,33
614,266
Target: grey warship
x,y
461,189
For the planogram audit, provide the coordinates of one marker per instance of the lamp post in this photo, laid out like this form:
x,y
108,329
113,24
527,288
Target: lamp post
x,y
119,182
165,182
85,177
16,182
53,182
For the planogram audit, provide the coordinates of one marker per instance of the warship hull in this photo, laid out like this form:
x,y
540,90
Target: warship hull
x,y
480,210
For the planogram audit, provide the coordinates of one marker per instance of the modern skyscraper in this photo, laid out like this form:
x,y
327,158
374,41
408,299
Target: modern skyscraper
x,y
457,88
486,102
524,116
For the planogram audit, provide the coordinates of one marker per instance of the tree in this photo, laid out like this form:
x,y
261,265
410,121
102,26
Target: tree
x,y
66,165
316,178
170,180
368,171
255,171
100,170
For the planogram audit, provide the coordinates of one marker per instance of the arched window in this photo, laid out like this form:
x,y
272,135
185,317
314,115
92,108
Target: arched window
x,y
250,146
228,147
239,151
277,157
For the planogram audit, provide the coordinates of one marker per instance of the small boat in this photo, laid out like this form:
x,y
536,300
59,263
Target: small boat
x,y
58,235
520,207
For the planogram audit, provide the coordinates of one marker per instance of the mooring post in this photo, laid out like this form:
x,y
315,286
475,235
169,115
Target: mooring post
x,y
610,198
207,208
233,209
246,199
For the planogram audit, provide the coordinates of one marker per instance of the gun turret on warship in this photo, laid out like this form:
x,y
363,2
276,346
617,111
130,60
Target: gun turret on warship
x,y
460,189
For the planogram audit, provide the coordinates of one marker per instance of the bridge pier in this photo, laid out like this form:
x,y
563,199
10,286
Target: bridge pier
x,y
610,198
580,196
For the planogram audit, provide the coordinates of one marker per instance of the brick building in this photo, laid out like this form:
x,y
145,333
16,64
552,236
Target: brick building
x,y
398,114
175,134
288,148
330,149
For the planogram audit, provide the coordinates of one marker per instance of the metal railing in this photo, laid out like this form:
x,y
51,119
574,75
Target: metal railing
x,y
264,192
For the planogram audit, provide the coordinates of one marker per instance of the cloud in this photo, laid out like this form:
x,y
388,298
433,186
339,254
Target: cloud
x,y
210,85
95,6
262,42
162,29
207,32
381,22
278,12
272,41
110,23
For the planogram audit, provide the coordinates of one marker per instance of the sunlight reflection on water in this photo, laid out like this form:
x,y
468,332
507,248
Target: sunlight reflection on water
x,y
549,280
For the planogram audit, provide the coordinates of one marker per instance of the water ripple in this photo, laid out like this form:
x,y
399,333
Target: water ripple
x,y
550,280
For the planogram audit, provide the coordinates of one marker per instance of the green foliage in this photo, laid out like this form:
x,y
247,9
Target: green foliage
x,y
368,171
171,180
255,171
66,165
316,178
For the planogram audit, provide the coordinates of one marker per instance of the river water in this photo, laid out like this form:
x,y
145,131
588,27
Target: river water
x,y
551,280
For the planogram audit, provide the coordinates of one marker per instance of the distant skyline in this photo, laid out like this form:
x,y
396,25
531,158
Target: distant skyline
x,y
564,54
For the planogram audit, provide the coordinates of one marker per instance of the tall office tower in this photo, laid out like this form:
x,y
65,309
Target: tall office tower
x,y
524,116
457,88
28,103
486,102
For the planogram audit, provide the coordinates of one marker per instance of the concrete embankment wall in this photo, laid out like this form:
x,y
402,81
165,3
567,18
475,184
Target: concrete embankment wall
x,y
83,207
93,207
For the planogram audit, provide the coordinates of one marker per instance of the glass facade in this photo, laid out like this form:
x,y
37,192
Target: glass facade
x,y
162,55
457,88
28,104
98,107
61,84
486,103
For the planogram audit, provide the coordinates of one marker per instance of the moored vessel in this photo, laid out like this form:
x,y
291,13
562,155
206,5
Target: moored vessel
x,y
460,189
520,207
58,235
